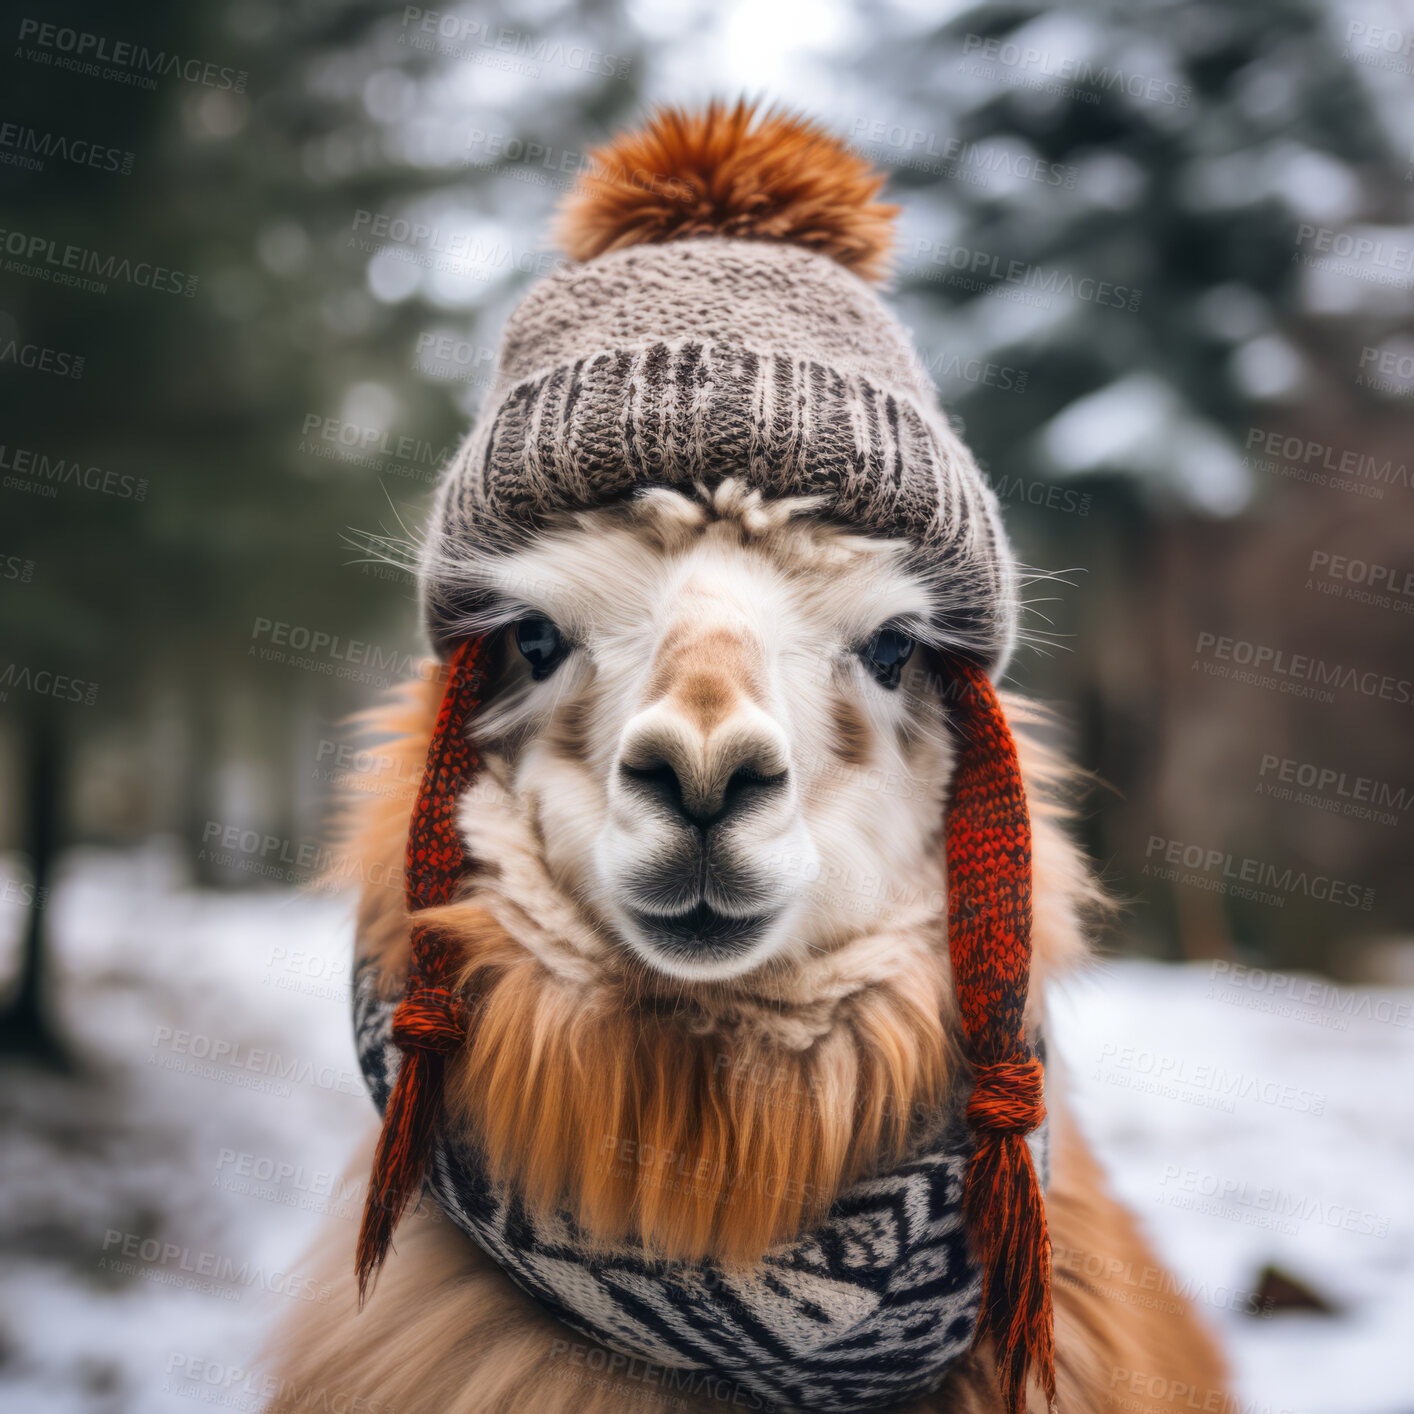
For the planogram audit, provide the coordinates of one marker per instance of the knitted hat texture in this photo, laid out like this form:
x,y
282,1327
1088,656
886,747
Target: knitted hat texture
x,y
705,356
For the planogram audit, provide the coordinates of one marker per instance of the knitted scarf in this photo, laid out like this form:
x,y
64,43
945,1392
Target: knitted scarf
x,y
909,1269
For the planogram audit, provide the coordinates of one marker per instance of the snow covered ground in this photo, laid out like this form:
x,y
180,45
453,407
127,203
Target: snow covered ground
x,y
153,1218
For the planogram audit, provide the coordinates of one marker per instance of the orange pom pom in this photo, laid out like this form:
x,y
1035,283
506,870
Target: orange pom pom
x,y
730,172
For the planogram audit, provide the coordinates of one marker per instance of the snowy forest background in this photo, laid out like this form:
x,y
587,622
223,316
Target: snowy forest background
x,y
1160,260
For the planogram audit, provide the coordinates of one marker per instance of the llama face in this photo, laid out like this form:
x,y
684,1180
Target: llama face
x,y
717,719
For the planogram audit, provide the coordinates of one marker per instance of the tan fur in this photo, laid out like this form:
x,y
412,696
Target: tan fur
x,y
723,1128
589,1092
445,1332
698,1116
763,176
718,1141
851,732
377,802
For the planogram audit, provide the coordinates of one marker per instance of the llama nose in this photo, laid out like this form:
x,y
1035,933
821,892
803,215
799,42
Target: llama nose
x,y
703,781
660,781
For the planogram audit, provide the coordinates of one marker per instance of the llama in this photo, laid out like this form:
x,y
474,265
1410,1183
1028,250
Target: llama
x,y
703,937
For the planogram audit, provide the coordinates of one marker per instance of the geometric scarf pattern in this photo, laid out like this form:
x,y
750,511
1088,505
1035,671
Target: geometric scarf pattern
x,y
870,1308
909,1269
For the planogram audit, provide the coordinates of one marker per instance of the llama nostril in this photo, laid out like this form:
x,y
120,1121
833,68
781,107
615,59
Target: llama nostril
x,y
746,786
658,780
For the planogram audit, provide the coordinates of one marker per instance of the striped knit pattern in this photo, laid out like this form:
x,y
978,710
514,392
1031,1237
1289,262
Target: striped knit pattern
x,y
688,363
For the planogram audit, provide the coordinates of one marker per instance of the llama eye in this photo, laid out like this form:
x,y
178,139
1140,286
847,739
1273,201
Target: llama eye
x,y
541,644
885,654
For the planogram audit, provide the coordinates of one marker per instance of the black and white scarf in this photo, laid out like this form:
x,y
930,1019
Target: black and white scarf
x,y
868,1309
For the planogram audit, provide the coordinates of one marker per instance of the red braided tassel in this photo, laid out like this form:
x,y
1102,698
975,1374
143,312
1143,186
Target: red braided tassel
x,y
428,1023
989,936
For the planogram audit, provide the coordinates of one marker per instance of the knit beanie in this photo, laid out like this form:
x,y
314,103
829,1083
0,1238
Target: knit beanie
x,y
717,324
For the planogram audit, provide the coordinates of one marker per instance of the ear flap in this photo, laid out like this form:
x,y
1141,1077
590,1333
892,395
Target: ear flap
x,y
989,939
428,1023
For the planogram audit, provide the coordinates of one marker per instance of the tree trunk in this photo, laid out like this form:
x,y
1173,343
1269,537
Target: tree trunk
x,y
202,756
27,1027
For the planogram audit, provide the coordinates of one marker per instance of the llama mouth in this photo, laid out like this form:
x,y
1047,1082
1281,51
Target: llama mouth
x,y
700,932
678,883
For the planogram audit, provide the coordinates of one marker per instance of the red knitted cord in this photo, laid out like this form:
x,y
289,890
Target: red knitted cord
x,y
989,937
428,1022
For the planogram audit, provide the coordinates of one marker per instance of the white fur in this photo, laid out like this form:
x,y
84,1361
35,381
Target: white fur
x,y
845,850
